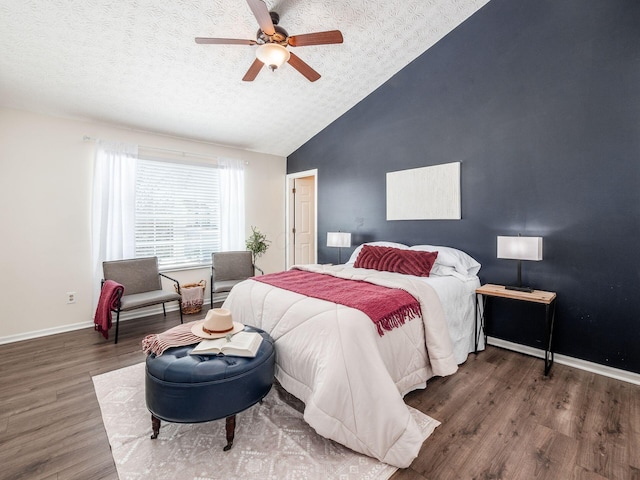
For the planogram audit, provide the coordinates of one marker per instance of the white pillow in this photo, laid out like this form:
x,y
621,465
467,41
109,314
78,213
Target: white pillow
x,y
445,271
451,257
356,252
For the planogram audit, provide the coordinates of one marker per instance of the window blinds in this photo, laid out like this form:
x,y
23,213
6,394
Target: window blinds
x,y
177,213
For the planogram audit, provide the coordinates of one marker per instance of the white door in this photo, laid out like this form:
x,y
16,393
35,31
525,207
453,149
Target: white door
x,y
304,212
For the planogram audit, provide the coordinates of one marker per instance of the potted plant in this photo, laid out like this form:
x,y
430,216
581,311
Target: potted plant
x,y
257,243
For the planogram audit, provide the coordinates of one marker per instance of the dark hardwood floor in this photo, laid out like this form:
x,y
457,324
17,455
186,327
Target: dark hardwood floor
x,y
501,419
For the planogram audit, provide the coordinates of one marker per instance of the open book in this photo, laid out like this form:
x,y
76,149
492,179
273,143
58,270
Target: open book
x,y
242,344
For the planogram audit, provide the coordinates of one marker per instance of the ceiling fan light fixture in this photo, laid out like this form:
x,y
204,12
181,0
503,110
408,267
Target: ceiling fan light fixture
x,y
272,54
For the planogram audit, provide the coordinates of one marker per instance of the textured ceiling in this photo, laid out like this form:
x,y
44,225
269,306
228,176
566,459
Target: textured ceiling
x,y
135,63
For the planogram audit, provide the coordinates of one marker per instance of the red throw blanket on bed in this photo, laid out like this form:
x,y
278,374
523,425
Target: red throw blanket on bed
x,y
109,295
386,307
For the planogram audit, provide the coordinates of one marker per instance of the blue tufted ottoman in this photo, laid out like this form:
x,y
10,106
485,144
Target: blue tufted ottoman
x,y
185,388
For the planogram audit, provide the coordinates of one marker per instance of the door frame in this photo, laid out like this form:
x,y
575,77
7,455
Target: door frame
x,y
288,214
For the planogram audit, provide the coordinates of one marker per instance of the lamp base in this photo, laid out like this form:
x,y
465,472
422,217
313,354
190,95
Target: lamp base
x,y
519,289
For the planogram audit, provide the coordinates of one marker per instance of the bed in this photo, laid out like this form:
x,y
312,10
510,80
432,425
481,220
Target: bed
x,y
351,378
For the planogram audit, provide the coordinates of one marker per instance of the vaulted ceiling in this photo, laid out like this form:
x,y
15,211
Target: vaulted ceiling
x,y
136,64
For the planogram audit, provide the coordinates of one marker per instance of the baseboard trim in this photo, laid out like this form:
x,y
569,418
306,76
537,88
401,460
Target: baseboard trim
x,y
44,332
610,372
124,316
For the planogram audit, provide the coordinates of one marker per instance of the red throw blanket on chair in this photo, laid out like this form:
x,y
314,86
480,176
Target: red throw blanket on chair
x,y
109,295
386,307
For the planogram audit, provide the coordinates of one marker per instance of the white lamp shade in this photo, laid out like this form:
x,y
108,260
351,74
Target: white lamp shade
x,y
520,248
272,54
338,239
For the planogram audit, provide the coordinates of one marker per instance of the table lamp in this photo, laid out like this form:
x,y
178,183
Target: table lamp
x,y
340,240
520,248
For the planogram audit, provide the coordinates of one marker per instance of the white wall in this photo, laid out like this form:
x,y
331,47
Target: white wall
x,y
46,171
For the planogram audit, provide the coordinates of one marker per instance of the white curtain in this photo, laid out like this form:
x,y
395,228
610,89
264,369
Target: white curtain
x,y
113,206
231,186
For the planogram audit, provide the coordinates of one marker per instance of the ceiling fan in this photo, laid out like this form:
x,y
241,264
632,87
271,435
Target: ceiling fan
x,y
272,40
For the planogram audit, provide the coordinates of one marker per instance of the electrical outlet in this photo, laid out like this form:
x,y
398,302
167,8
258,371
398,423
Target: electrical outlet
x,y
71,297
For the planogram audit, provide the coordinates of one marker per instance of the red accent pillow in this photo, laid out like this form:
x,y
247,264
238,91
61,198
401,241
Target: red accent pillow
x,y
388,259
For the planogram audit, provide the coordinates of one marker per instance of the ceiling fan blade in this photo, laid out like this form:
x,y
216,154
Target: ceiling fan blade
x,y
261,12
318,38
224,41
253,71
303,68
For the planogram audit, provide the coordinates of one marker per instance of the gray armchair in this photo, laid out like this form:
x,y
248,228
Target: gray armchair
x,y
142,285
228,269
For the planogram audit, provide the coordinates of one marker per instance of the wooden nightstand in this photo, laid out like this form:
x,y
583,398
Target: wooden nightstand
x,y
537,296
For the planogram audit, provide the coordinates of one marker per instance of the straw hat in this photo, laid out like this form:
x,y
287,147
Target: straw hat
x,y
217,324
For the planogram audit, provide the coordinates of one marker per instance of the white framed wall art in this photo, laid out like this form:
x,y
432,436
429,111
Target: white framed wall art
x,y
425,193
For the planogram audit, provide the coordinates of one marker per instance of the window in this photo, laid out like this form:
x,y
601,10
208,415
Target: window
x,y
177,213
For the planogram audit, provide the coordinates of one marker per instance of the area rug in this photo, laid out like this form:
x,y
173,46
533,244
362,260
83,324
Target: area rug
x,y
272,441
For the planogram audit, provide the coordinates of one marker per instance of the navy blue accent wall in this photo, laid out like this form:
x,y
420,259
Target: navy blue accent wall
x,y
540,101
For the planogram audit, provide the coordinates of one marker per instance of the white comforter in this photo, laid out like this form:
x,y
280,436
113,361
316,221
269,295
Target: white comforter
x,y
351,379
